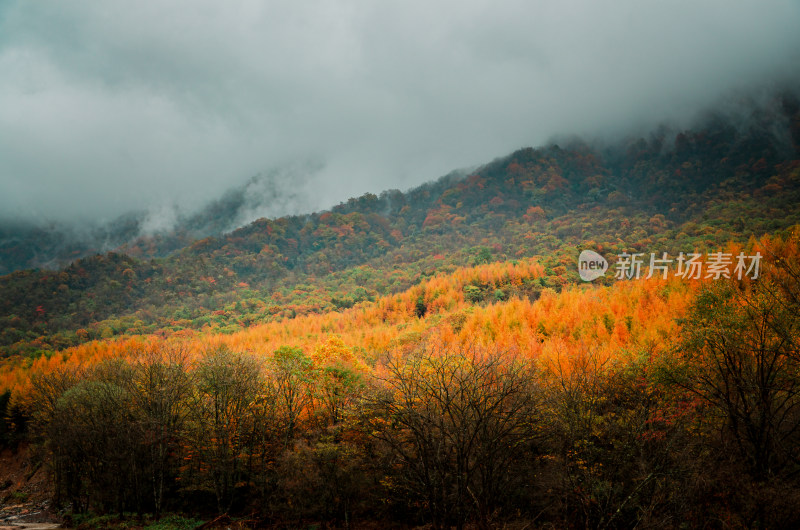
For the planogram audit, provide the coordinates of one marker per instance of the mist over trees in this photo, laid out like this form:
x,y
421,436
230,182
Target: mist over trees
x,y
432,357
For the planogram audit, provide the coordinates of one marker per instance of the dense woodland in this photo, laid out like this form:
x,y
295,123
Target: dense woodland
x,y
431,357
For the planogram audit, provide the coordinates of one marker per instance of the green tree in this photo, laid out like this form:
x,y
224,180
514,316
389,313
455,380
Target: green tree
x,y
227,385
291,377
337,390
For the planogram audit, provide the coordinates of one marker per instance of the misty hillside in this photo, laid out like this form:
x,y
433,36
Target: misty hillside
x,y
430,355
27,245
367,265
723,181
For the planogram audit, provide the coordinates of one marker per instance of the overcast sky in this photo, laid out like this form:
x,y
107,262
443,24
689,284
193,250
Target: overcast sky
x,y
110,106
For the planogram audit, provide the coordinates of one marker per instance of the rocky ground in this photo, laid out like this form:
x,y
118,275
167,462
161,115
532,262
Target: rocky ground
x,y
24,492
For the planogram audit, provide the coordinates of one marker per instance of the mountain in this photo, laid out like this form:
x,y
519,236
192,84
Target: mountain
x,y
431,356
725,180
51,245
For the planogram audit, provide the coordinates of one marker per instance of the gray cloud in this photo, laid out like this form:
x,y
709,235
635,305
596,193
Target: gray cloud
x,y
111,106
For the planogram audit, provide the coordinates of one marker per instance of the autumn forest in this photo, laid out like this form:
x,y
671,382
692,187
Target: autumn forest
x,y
431,358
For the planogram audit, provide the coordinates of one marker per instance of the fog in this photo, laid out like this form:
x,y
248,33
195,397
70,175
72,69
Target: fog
x,y
108,107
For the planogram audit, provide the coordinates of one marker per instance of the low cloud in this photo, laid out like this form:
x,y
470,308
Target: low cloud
x,y
108,107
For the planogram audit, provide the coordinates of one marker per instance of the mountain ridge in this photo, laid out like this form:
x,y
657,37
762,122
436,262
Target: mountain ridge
x,y
695,188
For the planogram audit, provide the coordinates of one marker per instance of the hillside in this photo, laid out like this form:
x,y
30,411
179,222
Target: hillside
x,y
352,415
431,357
668,192
352,265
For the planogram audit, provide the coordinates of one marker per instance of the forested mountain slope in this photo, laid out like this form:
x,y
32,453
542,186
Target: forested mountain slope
x,y
431,357
725,180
